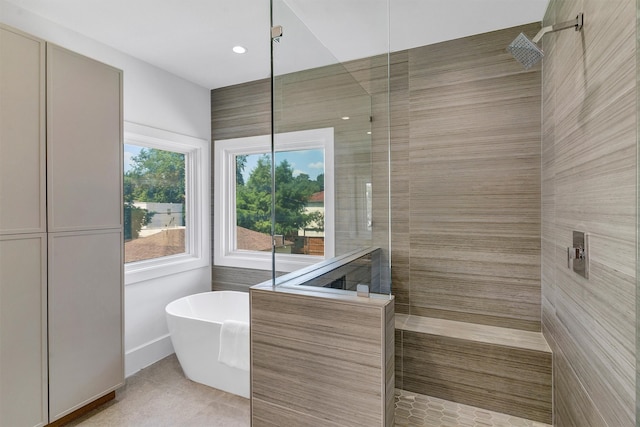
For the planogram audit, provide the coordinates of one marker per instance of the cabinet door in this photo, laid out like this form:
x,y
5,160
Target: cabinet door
x,y
84,142
23,340
22,133
86,357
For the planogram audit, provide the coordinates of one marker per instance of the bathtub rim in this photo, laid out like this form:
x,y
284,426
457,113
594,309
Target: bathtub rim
x,y
176,302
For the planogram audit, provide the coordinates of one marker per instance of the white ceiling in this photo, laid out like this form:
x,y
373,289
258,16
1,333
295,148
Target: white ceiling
x,y
193,38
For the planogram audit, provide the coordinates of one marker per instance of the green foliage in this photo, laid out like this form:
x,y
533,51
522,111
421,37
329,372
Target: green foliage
x,y
320,181
156,176
241,164
253,200
134,219
317,218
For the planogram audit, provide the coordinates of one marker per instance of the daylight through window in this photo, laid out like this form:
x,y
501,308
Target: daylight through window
x,y
299,194
166,208
154,203
303,228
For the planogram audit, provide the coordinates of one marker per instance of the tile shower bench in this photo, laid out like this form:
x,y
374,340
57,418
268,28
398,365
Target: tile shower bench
x,y
500,369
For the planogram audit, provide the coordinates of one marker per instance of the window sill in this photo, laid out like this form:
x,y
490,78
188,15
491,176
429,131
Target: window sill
x,y
262,261
160,267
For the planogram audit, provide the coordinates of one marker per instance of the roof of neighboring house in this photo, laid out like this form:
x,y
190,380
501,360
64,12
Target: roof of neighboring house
x,y
252,240
164,243
171,242
317,197
255,241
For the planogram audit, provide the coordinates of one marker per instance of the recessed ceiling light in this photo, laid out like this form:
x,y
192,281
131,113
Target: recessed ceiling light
x,y
239,49
369,133
345,118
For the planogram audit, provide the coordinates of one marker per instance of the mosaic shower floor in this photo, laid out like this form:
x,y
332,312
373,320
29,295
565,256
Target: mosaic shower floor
x,y
414,409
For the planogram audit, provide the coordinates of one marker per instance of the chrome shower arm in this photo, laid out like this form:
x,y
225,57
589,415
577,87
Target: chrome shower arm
x,y
575,23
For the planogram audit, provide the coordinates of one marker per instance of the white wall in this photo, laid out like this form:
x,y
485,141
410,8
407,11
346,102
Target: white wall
x,y
152,97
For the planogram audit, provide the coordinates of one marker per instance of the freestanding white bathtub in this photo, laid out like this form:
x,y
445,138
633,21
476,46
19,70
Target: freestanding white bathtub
x,y
194,324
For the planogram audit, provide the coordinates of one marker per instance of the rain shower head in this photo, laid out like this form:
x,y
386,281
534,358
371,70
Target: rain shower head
x,y
525,51
528,53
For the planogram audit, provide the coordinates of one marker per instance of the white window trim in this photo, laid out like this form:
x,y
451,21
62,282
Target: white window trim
x,y
197,195
225,202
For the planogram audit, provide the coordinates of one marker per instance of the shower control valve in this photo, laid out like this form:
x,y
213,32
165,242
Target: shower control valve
x,y
578,254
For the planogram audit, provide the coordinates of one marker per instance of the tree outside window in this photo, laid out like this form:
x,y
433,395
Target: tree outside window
x,y
154,201
294,190
303,231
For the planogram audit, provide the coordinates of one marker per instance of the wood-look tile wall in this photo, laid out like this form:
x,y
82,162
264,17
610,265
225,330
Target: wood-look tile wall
x,y
465,176
320,361
465,179
236,112
317,98
465,170
474,188
589,184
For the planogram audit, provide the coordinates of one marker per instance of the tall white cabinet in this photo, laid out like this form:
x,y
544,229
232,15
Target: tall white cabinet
x,y
61,263
84,217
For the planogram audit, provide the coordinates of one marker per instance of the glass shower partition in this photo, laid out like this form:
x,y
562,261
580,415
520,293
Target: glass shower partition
x,y
330,143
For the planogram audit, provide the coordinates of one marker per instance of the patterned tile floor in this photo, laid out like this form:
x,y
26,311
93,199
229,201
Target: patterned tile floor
x,y
418,410
161,396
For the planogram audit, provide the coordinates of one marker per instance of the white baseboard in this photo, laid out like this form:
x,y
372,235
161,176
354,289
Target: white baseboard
x,y
147,354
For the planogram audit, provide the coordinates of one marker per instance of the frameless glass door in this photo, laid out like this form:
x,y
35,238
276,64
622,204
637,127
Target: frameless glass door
x,y
330,135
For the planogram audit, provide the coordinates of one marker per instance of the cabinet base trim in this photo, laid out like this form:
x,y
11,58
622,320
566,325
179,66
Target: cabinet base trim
x,y
84,410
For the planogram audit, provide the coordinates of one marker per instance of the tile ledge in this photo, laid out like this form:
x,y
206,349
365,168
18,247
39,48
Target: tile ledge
x,y
496,335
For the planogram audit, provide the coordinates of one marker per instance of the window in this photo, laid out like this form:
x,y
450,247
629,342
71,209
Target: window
x,y
154,203
165,209
304,214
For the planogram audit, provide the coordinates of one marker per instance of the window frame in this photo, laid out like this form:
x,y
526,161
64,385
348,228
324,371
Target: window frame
x,y
224,253
197,195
